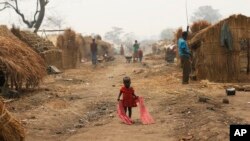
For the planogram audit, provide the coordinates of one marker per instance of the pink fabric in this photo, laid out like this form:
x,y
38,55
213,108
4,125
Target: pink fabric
x,y
145,117
122,115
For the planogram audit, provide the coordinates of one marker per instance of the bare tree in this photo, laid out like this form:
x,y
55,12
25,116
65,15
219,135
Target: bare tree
x,y
54,21
38,15
206,13
167,33
114,35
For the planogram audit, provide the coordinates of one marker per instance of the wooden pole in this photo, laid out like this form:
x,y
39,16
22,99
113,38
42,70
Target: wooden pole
x,y
50,30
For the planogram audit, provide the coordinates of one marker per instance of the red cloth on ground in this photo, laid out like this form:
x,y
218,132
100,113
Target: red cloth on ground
x,y
127,97
145,117
122,115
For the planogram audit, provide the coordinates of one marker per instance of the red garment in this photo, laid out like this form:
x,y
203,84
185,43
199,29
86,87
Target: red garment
x,y
127,97
140,53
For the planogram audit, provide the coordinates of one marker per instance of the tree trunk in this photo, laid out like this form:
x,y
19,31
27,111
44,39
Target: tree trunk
x,y
40,16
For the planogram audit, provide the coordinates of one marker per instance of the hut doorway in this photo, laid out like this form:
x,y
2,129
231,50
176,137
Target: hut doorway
x,y
2,78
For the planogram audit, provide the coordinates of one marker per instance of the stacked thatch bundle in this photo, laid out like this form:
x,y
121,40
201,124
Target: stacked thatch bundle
x,y
83,46
198,26
38,43
67,42
178,34
10,128
104,47
85,42
215,62
51,54
21,64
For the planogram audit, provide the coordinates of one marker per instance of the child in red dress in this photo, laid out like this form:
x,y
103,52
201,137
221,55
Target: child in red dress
x,y
128,96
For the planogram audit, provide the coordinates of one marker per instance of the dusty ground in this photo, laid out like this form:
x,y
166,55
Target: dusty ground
x,y
80,104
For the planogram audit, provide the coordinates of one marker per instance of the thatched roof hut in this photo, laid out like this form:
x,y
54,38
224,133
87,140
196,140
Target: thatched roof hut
x,y
21,64
43,46
38,43
217,60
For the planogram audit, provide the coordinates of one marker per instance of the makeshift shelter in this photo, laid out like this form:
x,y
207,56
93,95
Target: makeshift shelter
x,y
70,49
221,51
51,54
19,62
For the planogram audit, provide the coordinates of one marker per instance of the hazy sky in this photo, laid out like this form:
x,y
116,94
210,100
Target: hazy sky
x,y
143,17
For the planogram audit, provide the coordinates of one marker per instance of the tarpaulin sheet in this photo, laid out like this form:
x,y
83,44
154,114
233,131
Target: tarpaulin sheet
x,y
121,113
145,117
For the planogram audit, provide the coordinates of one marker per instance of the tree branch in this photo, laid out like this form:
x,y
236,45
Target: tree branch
x,y
37,11
38,15
46,2
1,9
16,4
7,4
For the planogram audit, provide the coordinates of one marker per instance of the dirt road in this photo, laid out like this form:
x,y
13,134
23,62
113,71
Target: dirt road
x,y
80,104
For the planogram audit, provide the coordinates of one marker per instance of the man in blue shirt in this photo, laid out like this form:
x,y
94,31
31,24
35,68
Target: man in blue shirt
x,y
184,53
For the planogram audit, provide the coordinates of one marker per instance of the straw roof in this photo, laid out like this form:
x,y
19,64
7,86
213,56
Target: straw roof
x,y
38,43
20,62
215,62
202,34
199,25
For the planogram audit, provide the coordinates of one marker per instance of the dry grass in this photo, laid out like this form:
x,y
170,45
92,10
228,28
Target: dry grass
x,y
21,63
10,128
199,25
178,34
70,48
37,43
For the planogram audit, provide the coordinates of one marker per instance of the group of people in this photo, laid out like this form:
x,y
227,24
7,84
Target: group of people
x,y
127,91
184,53
137,52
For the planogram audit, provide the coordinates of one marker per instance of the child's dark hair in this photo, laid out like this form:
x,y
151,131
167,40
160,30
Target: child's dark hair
x,y
126,79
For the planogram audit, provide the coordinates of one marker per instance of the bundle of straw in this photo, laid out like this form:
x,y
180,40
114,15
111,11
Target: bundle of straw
x,y
37,43
70,48
10,128
178,34
199,25
23,65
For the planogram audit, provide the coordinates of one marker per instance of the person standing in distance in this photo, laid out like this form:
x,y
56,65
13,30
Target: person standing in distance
x,y
185,55
93,48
